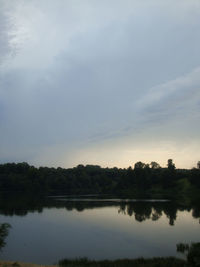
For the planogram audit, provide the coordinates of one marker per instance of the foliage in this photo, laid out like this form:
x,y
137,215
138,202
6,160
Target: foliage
x,y
198,164
181,247
4,229
171,165
192,251
21,204
193,256
149,180
141,262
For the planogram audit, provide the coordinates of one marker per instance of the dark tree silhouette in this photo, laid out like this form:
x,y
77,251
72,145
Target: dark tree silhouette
x,y
198,165
144,180
4,230
154,165
171,165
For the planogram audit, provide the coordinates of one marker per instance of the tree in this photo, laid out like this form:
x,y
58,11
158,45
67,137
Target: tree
x,y
192,251
193,256
139,165
198,165
4,230
154,165
171,165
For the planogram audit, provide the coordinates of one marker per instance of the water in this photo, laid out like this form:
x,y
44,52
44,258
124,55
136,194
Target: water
x,y
49,229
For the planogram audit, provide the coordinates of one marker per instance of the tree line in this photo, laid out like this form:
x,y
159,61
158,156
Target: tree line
x,y
149,179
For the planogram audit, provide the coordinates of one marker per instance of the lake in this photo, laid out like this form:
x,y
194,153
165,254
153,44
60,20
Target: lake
x,y
45,230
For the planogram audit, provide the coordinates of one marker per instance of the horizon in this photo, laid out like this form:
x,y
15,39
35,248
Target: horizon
x,y
97,165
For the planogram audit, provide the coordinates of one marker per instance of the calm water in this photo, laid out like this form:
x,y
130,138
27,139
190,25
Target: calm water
x,y
49,229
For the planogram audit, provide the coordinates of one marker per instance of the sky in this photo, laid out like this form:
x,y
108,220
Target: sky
x,y
105,82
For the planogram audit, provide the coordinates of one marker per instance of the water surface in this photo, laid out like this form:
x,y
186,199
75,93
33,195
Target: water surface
x,y
49,229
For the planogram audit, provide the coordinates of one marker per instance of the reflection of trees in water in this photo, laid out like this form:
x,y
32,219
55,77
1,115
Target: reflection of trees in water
x,y
4,230
156,214
196,212
141,211
171,212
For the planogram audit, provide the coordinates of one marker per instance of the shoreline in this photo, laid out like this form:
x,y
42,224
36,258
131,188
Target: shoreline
x,y
84,262
22,264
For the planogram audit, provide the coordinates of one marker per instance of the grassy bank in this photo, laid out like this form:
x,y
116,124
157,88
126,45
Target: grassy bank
x,y
155,262
20,264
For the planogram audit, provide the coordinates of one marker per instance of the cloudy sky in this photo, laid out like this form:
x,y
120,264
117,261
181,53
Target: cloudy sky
x,y
107,82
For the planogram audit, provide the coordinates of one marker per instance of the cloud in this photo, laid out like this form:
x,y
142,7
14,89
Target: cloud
x,y
5,37
179,97
89,73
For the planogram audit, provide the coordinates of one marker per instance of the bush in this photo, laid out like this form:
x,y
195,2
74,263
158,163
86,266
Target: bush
x,y
193,256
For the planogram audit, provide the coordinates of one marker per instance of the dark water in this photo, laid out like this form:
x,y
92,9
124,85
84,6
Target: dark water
x,y
48,229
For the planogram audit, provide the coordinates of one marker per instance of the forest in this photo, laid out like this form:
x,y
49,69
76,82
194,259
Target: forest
x,y
145,180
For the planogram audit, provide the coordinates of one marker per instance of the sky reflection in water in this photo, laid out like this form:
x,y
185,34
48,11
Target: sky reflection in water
x,y
105,232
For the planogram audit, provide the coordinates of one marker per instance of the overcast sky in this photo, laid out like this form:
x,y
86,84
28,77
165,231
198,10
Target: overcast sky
x,y
107,82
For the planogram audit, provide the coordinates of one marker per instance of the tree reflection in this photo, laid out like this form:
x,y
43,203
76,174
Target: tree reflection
x,y
146,210
156,215
171,211
4,230
140,210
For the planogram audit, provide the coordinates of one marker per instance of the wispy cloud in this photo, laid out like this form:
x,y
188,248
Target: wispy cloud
x,y
180,96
